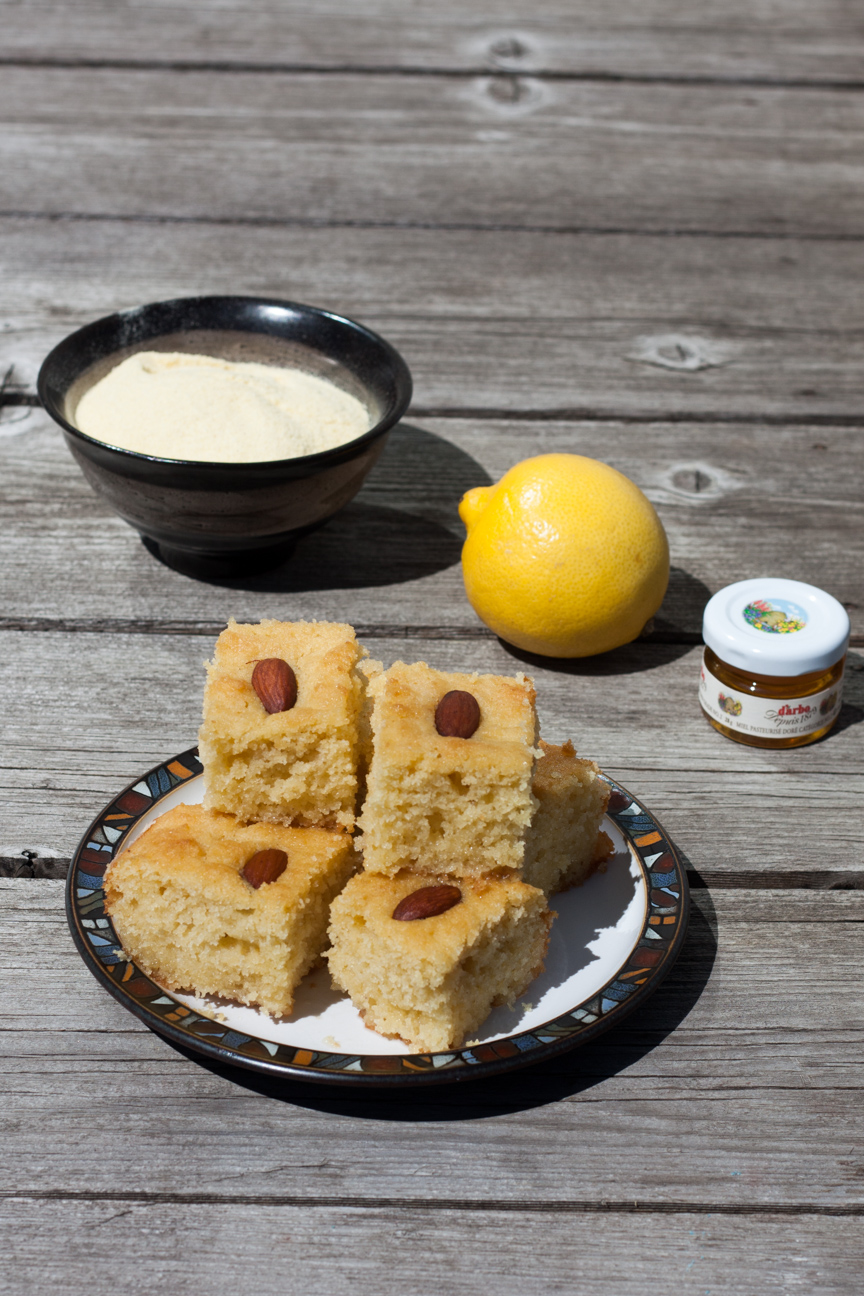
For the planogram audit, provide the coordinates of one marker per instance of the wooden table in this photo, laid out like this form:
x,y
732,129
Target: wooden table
x,y
627,230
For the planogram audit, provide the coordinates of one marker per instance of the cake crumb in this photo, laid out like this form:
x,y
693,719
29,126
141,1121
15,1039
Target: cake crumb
x,y
332,1043
420,985
301,768
463,810
241,945
564,844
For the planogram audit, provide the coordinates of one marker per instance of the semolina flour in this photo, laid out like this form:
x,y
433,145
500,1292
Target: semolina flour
x,y
176,405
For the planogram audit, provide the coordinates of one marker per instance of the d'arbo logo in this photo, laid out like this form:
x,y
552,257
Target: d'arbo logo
x,y
778,616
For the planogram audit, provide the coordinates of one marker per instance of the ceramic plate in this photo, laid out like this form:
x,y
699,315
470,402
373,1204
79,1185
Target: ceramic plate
x,y
614,939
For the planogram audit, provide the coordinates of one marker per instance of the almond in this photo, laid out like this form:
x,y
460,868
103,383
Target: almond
x,y
264,866
457,715
276,684
427,902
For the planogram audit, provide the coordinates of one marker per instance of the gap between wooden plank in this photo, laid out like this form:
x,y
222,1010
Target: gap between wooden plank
x,y
519,304
486,1206
575,414
230,66
571,414
84,625
368,630
491,227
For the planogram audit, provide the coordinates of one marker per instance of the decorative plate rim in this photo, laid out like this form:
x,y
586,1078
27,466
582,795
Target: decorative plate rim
x,y
659,944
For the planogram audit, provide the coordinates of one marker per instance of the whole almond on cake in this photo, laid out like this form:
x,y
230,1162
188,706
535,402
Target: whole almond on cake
x,y
455,803
280,742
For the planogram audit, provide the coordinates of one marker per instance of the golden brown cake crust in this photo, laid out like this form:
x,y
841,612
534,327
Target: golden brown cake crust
x,y
406,696
433,980
322,654
555,763
292,767
186,915
209,849
439,938
438,803
561,846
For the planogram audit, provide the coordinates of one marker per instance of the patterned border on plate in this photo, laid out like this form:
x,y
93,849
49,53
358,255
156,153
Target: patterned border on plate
x,y
657,948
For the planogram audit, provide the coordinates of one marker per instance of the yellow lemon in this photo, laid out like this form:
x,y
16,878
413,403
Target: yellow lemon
x,y
564,557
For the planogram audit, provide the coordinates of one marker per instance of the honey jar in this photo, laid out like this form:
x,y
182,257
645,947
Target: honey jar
x,y
772,668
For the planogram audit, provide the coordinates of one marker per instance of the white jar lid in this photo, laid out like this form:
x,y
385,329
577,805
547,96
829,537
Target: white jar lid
x,y
776,627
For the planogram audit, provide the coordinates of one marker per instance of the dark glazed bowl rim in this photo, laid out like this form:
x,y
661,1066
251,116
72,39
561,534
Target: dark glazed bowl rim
x,y
83,338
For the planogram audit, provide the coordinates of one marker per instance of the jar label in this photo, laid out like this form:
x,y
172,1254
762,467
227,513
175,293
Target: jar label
x,y
768,717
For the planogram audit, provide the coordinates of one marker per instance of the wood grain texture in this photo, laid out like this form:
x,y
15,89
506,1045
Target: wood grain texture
x,y
420,150
125,1248
710,349
393,555
607,326
131,701
736,1085
821,40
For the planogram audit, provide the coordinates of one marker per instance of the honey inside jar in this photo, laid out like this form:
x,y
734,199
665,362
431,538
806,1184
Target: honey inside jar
x,y
777,688
772,669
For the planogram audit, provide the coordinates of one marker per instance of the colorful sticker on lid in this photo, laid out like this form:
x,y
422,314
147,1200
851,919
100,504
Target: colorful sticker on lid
x,y
775,616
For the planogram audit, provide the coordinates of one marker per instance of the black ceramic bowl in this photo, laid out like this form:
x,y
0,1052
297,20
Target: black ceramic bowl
x,y
243,514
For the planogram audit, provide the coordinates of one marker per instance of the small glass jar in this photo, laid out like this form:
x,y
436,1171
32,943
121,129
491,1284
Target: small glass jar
x,y
772,669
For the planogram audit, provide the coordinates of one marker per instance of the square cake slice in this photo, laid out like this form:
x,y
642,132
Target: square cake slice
x,y
564,844
432,980
295,766
447,803
185,912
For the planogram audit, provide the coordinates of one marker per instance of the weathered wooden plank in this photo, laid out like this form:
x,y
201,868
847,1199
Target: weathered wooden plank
x,y
694,1064
87,713
658,38
741,1091
737,1095
733,500
124,1247
607,325
415,149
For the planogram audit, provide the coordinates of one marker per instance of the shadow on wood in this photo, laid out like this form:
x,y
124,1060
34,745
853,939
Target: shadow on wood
x,y
672,637
554,1081
852,711
681,610
403,525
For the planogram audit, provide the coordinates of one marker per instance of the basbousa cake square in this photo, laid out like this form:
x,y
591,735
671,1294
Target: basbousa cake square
x,y
564,844
448,804
185,912
297,766
433,980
